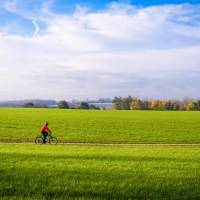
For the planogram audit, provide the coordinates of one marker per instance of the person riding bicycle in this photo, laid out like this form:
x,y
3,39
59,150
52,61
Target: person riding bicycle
x,y
45,131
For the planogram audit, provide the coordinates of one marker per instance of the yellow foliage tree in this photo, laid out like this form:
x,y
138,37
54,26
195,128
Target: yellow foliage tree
x,y
136,105
164,105
154,104
190,106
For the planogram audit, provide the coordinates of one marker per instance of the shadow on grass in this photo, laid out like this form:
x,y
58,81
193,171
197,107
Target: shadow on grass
x,y
25,180
35,184
24,156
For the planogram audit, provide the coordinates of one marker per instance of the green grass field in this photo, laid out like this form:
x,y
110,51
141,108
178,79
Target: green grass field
x,y
29,172
21,125
96,172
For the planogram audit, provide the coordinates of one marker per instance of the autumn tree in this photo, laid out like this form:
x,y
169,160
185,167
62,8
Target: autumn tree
x,y
136,104
154,104
190,106
129,102
163,105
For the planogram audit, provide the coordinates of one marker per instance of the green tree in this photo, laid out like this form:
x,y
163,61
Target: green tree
x,y
198,104
170,105
93,107
126,103
175,105
29,105
145,105
63,105
84,105
117,103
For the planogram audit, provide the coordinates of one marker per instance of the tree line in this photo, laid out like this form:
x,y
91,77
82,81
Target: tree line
x,y
64,105
130,103
81,105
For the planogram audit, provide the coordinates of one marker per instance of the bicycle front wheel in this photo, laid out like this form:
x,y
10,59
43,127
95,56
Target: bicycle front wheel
x,y
38,140
53,140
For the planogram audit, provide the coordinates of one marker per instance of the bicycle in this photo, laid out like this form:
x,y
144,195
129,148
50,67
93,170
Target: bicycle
x,y
50,139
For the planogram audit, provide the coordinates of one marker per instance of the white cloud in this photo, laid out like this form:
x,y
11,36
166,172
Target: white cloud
x,y
122,50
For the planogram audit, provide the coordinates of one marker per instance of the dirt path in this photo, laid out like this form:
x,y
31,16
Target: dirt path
x,y
105,144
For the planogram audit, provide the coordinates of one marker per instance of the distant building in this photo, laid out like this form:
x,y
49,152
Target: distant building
x,y
103,106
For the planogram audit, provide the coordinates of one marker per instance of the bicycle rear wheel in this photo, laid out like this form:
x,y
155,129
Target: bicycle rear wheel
x,y
53,140
38,140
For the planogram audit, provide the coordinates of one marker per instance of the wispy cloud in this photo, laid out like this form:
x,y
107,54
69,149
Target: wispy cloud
x,y
37,29
121,50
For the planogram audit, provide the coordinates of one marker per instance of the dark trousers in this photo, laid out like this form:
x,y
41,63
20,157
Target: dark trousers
x,y
44,137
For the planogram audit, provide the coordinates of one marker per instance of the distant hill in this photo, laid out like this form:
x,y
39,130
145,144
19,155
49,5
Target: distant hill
x,y
21,103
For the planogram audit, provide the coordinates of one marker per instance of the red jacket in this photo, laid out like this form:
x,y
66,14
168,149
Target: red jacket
x,y
44,128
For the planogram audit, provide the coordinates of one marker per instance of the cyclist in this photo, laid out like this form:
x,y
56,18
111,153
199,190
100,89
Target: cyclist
x,y
45,131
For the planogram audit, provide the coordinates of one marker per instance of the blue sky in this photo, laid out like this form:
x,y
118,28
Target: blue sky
x,y
64,49
67,7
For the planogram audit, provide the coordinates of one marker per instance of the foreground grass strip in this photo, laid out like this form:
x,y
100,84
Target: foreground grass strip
x,y
105,144
99,172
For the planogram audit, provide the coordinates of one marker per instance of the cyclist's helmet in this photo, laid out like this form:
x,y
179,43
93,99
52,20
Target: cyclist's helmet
x,y
46,123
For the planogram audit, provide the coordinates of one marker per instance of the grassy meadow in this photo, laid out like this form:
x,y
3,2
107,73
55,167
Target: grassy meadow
x,y
22,125
97,172
29,172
